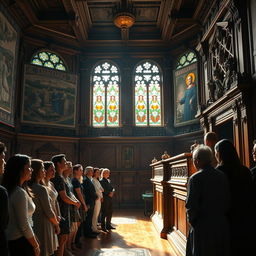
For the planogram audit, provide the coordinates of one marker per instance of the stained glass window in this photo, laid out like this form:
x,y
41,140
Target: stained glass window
x,y
49,60
186,60
147,95
106,80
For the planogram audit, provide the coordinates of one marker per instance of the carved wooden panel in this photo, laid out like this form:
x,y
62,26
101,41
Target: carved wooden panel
x,y
103,155
181,216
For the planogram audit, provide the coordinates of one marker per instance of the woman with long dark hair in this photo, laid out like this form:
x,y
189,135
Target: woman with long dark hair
x,y
20,235
242,210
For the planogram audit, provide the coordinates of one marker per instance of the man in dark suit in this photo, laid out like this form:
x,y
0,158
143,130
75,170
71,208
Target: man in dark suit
x,y
90,197
106,207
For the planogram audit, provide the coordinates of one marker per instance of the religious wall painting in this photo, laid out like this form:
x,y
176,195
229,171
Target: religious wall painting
x,y
8,52
185,92
49,97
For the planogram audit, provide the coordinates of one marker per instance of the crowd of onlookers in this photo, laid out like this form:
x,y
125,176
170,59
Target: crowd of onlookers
x,y
47,206
221,201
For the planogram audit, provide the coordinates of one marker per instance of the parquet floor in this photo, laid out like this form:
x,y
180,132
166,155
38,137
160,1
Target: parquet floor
x,y
133,230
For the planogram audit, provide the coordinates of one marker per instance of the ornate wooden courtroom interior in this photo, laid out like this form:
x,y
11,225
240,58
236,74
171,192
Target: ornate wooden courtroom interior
x,y
103,81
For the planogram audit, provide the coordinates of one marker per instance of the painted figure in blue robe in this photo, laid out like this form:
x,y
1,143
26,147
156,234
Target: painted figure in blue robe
x,y
189,99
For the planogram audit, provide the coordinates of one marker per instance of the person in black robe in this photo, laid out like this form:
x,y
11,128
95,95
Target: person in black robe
x,y
207,206
242,209
90,197
107,206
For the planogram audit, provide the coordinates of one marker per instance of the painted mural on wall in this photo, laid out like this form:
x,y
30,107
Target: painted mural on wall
x,y
49,97
8,49
185,91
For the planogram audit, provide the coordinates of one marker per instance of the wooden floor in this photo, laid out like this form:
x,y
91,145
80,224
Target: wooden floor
x,y
133,231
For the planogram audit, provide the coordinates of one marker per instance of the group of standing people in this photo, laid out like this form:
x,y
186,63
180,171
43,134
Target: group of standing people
x,y
221,201
46,207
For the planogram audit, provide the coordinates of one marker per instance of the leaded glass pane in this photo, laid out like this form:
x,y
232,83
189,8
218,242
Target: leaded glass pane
x,y
54,58
113,104
147,95
60,67
44,56
37,62
49,60
49,64
106,95
154,94
140,103
98,104
191,55
186,59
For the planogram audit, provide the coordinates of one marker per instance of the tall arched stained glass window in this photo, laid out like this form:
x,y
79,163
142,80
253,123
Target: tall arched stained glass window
x,y
147,95
49,60
106,82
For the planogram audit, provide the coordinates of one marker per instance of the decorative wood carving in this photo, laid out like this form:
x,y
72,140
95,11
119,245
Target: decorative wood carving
x,y
223,62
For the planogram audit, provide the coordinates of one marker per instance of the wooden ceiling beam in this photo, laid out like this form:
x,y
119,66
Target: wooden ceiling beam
x,y
169,23
28,11
55,31
198,9
79,24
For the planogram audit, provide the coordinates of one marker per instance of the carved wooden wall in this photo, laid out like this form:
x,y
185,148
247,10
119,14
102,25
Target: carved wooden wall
x,y
127,158
225,95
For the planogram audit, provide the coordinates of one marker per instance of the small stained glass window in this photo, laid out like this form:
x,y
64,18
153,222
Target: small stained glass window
x,y
106,83
186,59
147,95
49,60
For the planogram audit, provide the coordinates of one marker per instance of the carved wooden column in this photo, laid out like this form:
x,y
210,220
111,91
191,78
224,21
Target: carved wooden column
x,y
161,217
245,138
236,127
204,124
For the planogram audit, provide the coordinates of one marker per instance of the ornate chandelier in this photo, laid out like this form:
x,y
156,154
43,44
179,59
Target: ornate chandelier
x,y
124,17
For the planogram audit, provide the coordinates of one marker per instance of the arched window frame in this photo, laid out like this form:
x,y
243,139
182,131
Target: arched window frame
x,y
106,125
50,53
147,92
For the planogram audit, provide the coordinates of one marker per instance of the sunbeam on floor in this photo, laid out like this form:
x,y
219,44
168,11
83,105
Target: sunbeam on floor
x,y
133,231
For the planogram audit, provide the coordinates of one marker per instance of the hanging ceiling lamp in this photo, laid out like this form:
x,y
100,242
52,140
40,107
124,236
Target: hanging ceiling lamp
x,y
124,17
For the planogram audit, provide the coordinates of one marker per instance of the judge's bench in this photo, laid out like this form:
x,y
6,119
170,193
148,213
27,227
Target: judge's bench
x,y
169,178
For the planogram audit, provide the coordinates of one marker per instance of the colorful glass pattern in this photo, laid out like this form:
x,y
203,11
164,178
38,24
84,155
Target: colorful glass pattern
x,y
186,60
106,81
98,104
147,95
49,60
